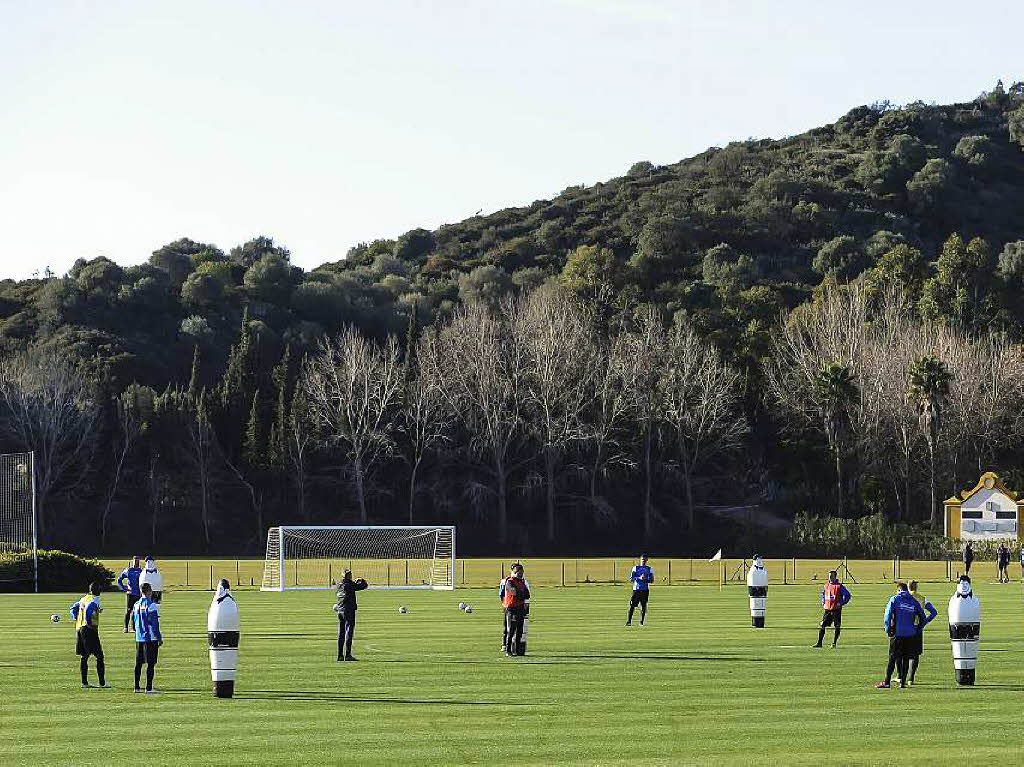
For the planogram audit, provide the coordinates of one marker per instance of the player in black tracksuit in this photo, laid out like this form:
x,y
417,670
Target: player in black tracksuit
x,y
346,609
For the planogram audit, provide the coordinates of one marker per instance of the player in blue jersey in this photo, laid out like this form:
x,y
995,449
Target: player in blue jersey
x,y
128,581
86,615
642,577
148,637
903,614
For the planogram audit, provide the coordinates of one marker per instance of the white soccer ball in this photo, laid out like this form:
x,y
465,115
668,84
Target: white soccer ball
x,y
403,610
468,609
463,606
55,618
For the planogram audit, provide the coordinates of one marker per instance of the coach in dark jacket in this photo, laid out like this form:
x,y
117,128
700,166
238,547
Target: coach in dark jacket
x,y
346,609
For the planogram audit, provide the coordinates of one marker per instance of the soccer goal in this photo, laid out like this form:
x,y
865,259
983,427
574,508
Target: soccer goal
x,y
309,557
18,510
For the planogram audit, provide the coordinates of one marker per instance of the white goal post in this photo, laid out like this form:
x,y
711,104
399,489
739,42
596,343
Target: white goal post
x,y
18,509
306,557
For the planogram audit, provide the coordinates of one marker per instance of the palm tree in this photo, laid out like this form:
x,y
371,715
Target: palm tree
x,y
928,389
836,392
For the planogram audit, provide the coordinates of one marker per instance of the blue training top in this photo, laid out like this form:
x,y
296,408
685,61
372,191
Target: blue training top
x,y
642,576
903,610
128,580
146,616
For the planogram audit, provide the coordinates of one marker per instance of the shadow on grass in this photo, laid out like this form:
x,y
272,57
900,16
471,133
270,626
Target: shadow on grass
x,y
320,696
258,635
641,657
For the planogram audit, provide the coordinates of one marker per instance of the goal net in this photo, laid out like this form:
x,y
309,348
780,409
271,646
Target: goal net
x,y
18,513
306,557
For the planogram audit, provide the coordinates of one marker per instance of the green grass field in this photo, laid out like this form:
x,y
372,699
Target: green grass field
x,y
696,685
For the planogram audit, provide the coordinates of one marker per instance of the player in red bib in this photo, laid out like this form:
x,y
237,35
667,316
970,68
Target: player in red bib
x,y
833,597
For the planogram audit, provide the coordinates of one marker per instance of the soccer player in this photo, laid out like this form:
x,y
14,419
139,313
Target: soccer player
x,y
515,594
1022,562
346,610
917,646
834,597
968,557
501,600
148,638
1003,563
642,576
86,615
900,620
128,580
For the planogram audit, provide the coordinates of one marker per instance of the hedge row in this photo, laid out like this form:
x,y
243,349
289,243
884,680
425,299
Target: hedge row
x,y
58,571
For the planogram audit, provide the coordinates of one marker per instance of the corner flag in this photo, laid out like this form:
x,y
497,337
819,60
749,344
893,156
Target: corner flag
x,y
717,556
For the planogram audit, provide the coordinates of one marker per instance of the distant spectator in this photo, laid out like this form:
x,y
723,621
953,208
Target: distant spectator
x,y
968,557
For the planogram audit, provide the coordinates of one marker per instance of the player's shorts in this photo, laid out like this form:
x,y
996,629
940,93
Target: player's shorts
x,y
915,646
146,652
832,618
899,647
88,642
640,597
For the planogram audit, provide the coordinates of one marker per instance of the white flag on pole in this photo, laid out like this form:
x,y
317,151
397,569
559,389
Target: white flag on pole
x,y
718,555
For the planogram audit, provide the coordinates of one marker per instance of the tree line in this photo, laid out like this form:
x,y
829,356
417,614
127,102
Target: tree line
x,y
852,292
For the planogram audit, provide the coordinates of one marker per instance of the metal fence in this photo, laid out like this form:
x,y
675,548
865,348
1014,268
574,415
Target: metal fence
x,y
580,572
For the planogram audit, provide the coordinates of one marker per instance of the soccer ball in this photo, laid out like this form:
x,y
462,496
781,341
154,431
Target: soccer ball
x,y
403,610
463,606
468,609
55,618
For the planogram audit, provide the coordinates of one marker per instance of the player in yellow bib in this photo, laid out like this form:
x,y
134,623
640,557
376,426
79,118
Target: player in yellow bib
x,y
917,646
86,614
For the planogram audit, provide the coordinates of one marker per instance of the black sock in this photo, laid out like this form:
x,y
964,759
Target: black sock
x,y
138,673
149,676
890,666
643,613
835,639
821,636
629,617
101,671
84,667
913,667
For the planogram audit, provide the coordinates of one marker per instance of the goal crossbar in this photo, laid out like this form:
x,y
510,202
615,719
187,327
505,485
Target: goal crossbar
x,y
314,557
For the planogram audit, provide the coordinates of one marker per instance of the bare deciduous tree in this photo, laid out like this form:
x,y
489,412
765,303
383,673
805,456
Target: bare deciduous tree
x,y
134,410
642,359
49,409
700,397
353,387
426,419
481,379
555,332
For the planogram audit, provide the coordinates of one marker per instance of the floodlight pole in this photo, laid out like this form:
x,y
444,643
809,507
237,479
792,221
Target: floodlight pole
x,y
35,539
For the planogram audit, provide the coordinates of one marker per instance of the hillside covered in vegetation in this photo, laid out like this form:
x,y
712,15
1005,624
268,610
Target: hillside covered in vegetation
x,y
857,286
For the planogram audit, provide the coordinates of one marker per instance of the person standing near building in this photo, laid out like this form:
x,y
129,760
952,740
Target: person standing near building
x,y
346,610
834,597
642,577
148,637
968,557
1003,562
128,581
917,646
86,615
515,594
900,620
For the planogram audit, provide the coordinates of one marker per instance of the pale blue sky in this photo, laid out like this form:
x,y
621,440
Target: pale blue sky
x,y
127,124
